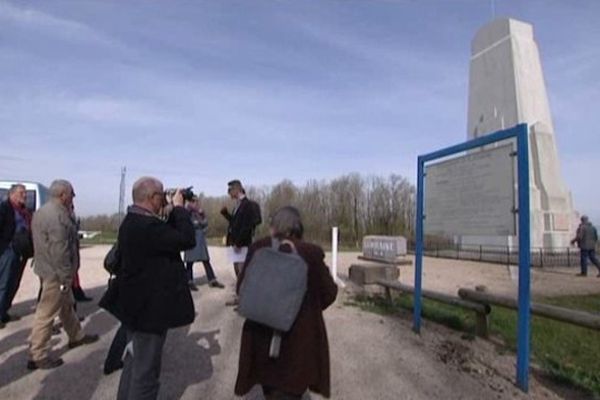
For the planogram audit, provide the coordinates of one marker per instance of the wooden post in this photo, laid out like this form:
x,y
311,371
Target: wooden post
x,y
482,325
388,295
575,317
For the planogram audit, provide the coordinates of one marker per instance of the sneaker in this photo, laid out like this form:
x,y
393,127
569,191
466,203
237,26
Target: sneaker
x,y
46,363
216,284
193,287
86,339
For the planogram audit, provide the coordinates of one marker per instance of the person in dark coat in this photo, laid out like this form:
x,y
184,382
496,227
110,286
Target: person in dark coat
x,y
15,220
153,295
303,362
200,251
242,220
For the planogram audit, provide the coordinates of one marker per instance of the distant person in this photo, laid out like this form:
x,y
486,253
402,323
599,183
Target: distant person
x,y
15,247
55,241
242,220
303,362
200,252
242,224
153,294
586,239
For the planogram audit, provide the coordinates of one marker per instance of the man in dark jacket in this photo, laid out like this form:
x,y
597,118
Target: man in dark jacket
x,y
586,239
242,221
14,217
153,295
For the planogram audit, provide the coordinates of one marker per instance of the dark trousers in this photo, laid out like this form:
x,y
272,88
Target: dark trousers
x,y
210,273
591,254
7,265
15,279
114,358
140,376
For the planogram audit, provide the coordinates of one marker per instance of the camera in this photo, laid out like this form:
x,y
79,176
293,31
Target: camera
x,y
187,193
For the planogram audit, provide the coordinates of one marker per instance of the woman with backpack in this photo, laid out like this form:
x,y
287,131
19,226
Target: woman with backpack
x,y
302,360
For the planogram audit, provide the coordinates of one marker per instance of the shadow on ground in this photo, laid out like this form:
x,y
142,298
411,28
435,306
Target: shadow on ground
x,y
187,356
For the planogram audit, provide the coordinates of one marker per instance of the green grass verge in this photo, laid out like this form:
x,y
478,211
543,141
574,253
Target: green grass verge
x,y
569,354
102,238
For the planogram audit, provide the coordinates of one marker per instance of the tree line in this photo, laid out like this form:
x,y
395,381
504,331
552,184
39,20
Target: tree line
x,y
357,205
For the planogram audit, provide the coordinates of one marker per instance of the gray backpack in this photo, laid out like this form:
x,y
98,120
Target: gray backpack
x,y
274,286
273,289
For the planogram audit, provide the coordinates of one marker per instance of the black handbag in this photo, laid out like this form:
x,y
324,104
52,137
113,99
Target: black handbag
x,y
110,298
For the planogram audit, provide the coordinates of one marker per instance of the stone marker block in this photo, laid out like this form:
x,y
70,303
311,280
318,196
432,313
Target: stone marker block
x,y
368,274
384,247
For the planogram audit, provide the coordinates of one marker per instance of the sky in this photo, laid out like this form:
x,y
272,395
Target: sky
x,y
201,92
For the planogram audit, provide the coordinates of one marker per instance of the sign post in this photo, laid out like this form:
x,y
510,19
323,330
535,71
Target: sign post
x,y
520,133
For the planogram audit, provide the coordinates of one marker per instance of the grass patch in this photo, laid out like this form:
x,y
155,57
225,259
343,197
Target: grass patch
x,y
569,354
102,238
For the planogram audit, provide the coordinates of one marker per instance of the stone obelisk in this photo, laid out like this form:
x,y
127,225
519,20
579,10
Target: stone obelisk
x,y
506,87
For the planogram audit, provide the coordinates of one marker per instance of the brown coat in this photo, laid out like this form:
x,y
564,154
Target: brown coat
x,y
303,362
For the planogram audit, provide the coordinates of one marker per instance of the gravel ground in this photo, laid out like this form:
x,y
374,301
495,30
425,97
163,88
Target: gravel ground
x,y
372,357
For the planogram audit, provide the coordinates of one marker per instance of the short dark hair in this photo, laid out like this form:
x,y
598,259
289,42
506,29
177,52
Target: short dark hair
x,y
235,182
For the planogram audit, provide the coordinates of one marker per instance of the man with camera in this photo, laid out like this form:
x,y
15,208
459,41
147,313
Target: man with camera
x,y
153,294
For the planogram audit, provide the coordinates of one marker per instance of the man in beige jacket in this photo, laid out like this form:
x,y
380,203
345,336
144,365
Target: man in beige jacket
x,y
55,243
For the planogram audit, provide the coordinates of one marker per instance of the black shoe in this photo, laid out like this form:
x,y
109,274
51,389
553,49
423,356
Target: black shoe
x,y
46,363
79,295
109,369
216,284
193,287
581,274
86,339
9,318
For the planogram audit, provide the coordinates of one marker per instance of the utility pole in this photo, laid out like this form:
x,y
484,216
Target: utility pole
x,y
122,195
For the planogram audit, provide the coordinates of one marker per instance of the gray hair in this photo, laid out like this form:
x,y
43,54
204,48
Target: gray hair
x,y
14,188
144,188
287,223
59,187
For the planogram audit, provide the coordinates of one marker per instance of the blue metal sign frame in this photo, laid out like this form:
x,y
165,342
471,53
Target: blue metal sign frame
x,y
520,133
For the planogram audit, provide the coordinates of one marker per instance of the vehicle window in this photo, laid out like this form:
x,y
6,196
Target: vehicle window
x,y
3,194
30,202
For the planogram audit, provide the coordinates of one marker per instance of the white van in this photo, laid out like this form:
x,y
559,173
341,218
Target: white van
x,y
37,194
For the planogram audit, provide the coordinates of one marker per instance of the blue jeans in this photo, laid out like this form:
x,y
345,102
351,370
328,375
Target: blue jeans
x,y
7,264
591,254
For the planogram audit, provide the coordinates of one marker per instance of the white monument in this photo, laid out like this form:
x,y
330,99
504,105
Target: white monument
x,y
506,87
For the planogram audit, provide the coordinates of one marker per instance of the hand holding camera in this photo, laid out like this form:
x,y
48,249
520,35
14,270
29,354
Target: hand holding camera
x,y
177,199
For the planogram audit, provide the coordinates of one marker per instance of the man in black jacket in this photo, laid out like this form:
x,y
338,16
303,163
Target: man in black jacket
x,y
242,221
14,217
153,295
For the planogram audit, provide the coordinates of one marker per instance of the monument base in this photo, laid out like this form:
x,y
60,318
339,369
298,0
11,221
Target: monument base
x,y
368,274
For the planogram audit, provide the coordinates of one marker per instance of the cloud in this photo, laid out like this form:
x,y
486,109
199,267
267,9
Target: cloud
x,y
30,18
